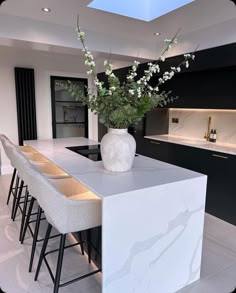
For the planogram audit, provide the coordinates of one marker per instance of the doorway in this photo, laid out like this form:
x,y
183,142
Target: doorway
x,y
69,117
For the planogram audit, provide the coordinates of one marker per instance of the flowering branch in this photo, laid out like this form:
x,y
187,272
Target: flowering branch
x,y
122,105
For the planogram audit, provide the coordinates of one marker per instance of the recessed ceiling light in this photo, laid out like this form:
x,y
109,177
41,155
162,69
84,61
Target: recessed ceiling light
x,y
157,34
45,9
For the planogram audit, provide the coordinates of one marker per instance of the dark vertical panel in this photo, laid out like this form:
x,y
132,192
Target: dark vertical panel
x,y
25,103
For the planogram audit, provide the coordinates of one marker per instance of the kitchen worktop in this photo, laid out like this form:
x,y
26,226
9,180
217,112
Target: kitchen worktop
x,y
146,172
197,143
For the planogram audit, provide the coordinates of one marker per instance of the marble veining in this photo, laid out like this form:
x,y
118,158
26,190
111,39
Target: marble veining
x,y
193,124
163,238
176,226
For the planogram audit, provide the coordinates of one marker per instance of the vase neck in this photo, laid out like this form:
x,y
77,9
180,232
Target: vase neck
x,y
117,131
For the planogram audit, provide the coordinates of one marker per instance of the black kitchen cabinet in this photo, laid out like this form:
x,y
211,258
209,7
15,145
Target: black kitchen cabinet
x,y
221,197
208,89
156,149
219,167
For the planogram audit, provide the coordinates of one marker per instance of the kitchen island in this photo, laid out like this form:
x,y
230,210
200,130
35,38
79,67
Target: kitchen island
x,y
152,218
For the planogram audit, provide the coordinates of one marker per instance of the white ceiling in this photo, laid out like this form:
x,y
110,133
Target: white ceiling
x,y
196,17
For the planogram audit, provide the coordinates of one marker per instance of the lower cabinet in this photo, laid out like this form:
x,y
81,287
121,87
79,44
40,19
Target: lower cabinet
x,y
219,167
155,149
221,191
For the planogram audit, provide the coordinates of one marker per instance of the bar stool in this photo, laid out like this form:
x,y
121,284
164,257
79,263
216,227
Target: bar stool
x,y
70,208
15,178
51,171
4,139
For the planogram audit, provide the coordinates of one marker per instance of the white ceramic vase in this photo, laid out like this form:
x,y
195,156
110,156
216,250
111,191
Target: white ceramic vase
x,y
118,150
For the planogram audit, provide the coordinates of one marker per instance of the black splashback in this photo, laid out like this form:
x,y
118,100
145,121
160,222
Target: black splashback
x,y
25,102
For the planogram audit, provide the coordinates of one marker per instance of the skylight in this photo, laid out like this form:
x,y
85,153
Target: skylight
x,y
146,10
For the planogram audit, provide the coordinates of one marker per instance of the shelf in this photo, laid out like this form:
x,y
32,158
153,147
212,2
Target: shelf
x,y
71,123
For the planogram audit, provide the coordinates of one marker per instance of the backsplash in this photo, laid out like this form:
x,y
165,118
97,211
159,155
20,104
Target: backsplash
x,y
193,123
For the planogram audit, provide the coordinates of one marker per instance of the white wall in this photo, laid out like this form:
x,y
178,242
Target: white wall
x,y
44,64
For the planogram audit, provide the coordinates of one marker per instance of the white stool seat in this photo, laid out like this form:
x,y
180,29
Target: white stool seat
x,y
69,208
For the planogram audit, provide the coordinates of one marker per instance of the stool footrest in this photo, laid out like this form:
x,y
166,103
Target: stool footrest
x,y
71,281
68,246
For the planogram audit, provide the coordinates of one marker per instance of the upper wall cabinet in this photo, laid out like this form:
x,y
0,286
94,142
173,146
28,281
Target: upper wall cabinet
x,y
208,89
209,82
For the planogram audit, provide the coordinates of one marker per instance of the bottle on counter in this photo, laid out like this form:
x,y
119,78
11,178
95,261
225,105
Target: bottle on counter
x,y
211,136
214,135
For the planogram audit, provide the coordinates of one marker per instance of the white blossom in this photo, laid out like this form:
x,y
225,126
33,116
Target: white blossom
x,y
131,92
112,88
108,72
81,35
139,92
162,58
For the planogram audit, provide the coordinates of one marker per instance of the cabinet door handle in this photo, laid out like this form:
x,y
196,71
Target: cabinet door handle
x,y
155,142
220,156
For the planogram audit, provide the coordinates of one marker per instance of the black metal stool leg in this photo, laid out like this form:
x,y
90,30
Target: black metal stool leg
x,y
11,185
81,242
36,232
18,199
88,244
15,196
45,243
59,263
27,219
24,214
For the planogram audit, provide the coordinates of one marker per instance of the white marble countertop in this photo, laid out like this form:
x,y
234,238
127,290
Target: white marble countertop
x,y
145,173
202,144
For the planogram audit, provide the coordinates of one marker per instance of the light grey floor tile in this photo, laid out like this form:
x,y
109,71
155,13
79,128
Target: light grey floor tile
x,y
215,257
77,287
5,212
9,237
222,282
14,276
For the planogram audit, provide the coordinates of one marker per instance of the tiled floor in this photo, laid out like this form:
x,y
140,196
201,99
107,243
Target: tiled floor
x,y
218,261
